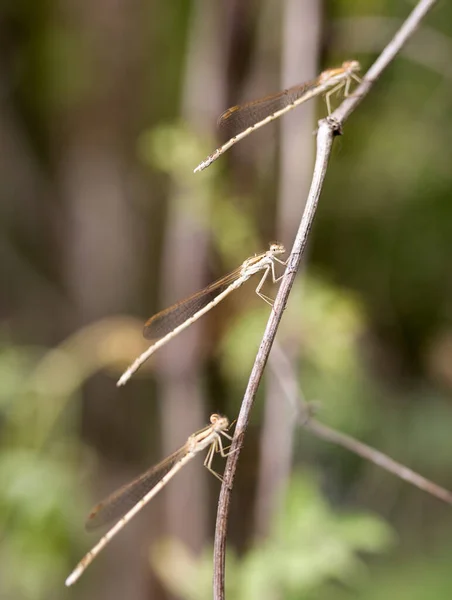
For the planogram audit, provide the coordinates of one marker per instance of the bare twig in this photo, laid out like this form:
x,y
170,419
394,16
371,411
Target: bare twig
x,y
388,54
366,35
284,373
378,458
326,132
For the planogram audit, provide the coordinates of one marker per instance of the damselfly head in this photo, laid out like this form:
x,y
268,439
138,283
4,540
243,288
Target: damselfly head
x,y
351,66
276,248
341,73
219,422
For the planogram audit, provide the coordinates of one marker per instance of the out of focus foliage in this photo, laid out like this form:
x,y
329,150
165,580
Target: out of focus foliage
x,y
37,514
309,544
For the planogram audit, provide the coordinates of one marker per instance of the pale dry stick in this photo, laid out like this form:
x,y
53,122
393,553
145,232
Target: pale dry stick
x,y
166,324
126,502
255,114
284,373
328,128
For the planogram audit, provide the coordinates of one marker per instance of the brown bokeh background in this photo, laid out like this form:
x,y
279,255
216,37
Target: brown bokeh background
x,y
105,109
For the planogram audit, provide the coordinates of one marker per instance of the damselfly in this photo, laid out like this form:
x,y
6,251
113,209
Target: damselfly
x,y
239,121
166,324
126,502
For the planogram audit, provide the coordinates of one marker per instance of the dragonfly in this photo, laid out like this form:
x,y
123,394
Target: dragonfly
x,y
125,503
241,120
165,325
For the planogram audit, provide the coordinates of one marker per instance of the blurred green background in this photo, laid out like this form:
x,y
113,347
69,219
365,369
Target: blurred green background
x,y
105,110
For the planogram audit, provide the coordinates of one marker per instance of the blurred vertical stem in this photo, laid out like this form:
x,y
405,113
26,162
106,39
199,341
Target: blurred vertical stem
x,y
301,44
185,254
99,93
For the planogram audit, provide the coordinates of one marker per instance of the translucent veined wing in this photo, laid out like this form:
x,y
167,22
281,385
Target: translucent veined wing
x,y
167,320
121,501
238,118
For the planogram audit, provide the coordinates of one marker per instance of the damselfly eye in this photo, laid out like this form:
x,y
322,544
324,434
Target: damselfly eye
x,y
277,248
219,421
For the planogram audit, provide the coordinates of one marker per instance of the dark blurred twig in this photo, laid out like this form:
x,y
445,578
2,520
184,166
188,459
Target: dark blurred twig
x,y
327,129
284,372
375,456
